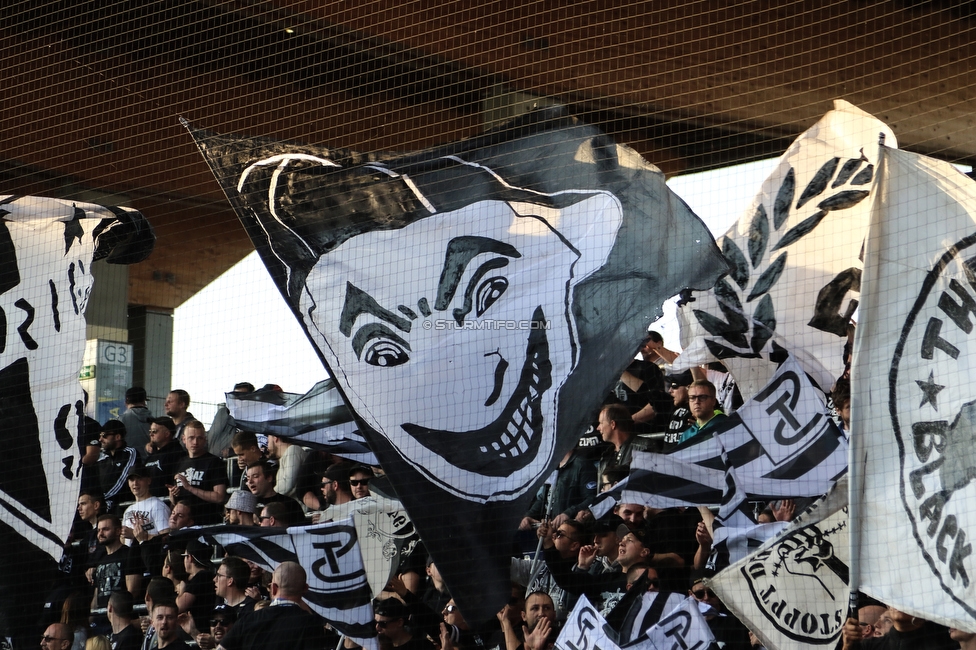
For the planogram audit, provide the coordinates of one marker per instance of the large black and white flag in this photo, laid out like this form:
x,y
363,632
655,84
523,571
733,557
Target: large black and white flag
x,y
470,301
792,591
319,418
795,255
914,399
781,443
330,554
47,247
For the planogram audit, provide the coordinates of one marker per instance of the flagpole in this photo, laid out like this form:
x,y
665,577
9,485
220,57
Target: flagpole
x,y
856,448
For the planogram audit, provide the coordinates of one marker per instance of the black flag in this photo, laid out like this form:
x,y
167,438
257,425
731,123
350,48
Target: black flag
x,y
470,301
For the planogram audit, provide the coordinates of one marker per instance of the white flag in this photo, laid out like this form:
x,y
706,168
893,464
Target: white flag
x,y
792,591
585,629
683,627
914,401
795,255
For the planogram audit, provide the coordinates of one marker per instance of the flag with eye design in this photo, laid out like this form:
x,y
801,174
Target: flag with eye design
x,y
796,256
47,247
470,301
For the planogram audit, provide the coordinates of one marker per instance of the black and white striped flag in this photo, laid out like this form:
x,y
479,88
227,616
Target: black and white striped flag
x,y
780,443
319,419
329,553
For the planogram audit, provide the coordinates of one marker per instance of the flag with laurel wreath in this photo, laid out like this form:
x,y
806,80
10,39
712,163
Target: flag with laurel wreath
x,y
795,258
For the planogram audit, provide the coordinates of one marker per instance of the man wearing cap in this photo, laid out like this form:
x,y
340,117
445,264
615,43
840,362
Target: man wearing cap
x,y
114,463
201,477
390,617
165,455
136,419
149,512
607,545
359,478
285,625
221,622
199,594
241,508
335,483
681,417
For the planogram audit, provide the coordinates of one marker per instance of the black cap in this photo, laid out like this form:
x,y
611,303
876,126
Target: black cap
x,y
140,471
135,395
391,608
679,379
641,533
166,422
225,612
201,552
608,524
339,471
113,427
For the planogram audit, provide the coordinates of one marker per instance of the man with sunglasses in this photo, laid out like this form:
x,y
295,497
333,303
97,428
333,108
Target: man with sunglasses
x,y
390,618
57,636
359,478
221,622
117,459
727,629
561,545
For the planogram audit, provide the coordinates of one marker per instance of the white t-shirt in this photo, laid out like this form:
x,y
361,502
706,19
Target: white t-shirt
x,y
156,512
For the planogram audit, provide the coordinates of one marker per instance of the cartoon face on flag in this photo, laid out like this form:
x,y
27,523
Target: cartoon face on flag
x,y
484,292
47,247
473,302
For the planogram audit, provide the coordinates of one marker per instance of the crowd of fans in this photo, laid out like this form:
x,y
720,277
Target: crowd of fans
x,y
147,477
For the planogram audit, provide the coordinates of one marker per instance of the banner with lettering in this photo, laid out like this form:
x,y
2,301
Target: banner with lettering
x,y
914,399
792,592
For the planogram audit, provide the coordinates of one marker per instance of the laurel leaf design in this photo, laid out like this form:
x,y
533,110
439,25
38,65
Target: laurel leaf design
x,y
784,198
818,183
768,278
847,171
843,200
718,327
758,236
864,176
800,229
739,268
765,320
731,306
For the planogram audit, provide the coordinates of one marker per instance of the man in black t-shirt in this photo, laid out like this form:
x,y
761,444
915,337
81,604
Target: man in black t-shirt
x,y
201,477
114,566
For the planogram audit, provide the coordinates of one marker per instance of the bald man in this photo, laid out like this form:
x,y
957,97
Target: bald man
x,y
286,625
57,636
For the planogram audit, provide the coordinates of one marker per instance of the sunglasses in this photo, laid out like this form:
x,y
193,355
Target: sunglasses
x,y
263,518
356,482
214,622
383,624
702,594
558,534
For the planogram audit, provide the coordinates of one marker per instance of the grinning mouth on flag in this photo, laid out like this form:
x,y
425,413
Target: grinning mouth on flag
x,y
512,440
